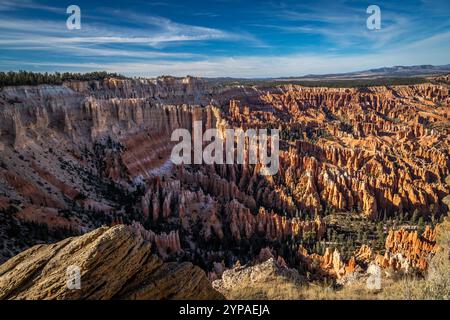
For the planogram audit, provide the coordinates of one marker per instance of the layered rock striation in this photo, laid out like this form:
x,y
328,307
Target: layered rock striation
x,y
86,154
113,263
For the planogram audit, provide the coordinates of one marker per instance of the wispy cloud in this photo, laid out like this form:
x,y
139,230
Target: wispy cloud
x,y
267,66
343,26
12,5
281,38
27,31
95,39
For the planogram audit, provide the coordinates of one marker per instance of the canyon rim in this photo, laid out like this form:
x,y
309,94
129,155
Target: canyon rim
x,y
306,157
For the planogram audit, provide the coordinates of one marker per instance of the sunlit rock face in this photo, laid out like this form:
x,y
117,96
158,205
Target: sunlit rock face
x,y
119,258
86,154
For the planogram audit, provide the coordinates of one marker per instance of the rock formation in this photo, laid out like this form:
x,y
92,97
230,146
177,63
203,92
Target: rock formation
x,y
114,263
247,276
86,154
407,250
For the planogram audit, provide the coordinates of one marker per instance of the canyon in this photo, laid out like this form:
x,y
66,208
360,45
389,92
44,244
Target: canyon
x,y
362,179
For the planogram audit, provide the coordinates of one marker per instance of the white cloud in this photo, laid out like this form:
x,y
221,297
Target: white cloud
x,y
8,5
153,31
268,66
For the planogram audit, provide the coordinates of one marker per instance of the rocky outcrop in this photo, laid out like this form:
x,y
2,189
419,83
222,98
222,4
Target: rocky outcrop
x,y
407,250
166,243
243,224
114,263
330,264
241,277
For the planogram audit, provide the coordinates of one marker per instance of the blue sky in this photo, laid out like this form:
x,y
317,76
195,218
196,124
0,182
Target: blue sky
x,y
233,38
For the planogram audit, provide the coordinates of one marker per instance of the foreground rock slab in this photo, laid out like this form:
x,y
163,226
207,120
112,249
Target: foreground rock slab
x,y
244,278
114,263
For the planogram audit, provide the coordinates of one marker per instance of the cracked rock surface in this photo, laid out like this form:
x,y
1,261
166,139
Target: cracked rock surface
x,y
114,263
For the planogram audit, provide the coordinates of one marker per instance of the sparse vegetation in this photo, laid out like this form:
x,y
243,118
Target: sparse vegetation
x,y
434,286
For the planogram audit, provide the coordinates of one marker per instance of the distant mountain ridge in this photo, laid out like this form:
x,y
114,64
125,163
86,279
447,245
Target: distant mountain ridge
x,y
395,71
382,72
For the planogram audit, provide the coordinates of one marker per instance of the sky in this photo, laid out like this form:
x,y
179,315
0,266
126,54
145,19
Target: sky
x,y
222,38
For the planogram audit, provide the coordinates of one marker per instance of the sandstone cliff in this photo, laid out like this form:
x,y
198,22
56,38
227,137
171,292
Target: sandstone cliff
x,y
408,250
114,263
86,154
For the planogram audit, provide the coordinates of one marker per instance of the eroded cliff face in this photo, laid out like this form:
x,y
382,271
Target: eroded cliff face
x,y
60,145
113,263
408,250
405,251
73,156
374,150
85,154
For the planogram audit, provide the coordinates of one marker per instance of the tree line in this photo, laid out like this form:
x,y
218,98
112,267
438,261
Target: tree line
x,y
12,78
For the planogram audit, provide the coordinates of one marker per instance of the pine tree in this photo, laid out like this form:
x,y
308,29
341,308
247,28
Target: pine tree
x,y
421,222
415,216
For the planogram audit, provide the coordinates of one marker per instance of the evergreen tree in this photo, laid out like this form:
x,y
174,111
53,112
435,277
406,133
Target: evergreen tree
x,y
31,78
415,216
421,222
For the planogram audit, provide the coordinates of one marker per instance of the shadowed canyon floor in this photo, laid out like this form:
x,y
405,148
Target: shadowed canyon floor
x,y
363,180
